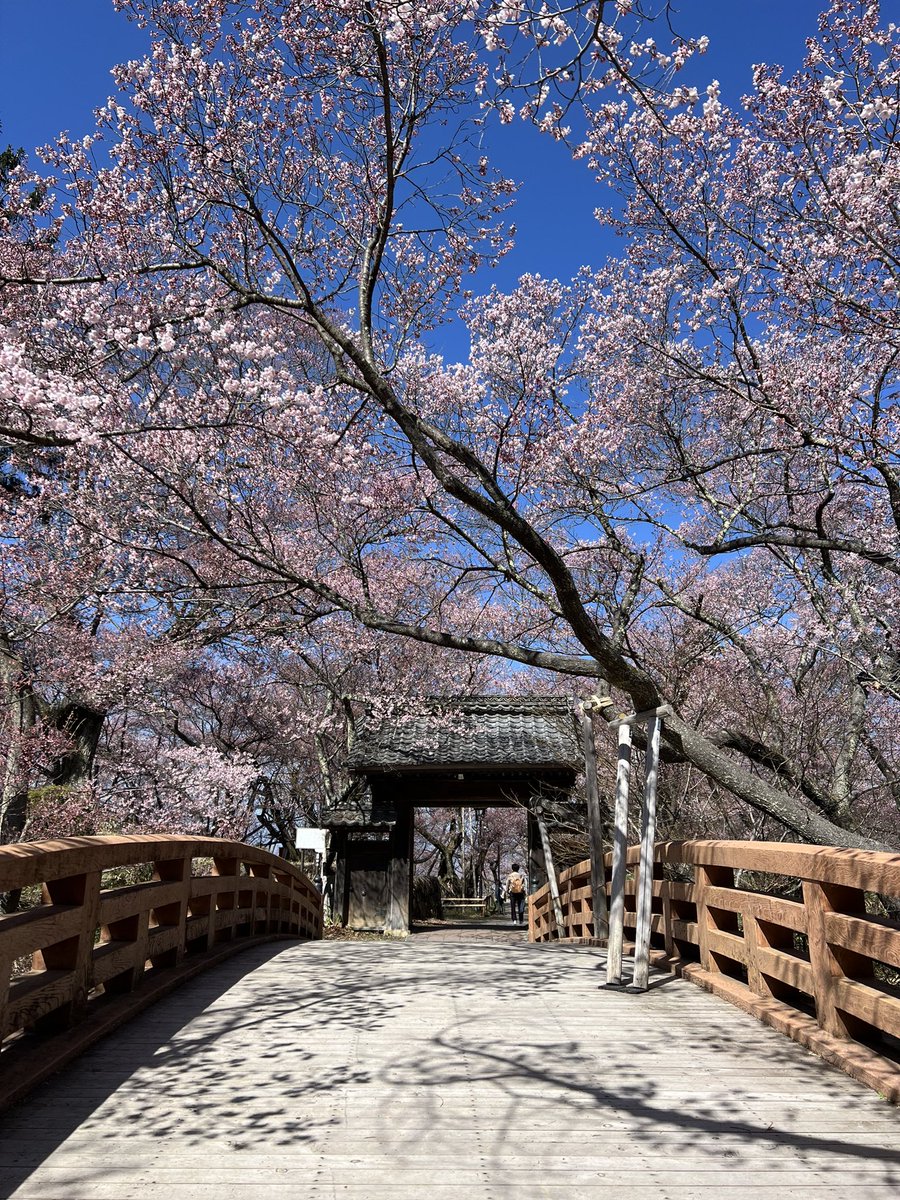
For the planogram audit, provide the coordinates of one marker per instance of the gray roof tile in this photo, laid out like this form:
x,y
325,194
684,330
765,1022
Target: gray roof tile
x,y
471,731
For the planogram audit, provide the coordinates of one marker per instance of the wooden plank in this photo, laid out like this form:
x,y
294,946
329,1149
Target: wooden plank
x,y
730,944
214,885
873,937
25,932
867,870
859,1062
681,891
685,931
162,939
119,903
113,959
674,1094
774,909
787,968
37,995
27,863
648,715
869,1002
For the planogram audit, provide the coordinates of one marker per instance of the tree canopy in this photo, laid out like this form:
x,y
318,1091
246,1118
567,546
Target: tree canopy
x,y
243,480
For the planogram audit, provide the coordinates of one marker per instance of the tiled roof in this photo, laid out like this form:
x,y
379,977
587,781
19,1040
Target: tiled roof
x,y
470,731
358,807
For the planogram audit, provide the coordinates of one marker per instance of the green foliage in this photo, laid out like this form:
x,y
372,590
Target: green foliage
x,y
54,810
10,158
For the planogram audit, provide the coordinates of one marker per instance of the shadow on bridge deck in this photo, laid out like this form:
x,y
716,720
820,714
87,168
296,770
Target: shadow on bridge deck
x,y
376,1069
466,929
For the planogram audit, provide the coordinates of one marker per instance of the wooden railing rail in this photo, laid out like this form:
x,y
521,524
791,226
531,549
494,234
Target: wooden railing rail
x,y
91,952
576,898
813,955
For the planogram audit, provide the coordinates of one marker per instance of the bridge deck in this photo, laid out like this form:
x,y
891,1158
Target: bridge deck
x,y
480,1070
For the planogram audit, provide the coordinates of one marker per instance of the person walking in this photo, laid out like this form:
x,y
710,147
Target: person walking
x,y
516,888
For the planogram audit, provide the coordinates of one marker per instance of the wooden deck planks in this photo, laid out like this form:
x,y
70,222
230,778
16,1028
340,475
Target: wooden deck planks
x,y
441,1070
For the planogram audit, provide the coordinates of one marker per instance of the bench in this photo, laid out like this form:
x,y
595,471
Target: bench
x,y
468,904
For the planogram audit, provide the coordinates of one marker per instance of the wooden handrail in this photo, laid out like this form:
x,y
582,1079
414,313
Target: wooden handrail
x,y
89,955
809,960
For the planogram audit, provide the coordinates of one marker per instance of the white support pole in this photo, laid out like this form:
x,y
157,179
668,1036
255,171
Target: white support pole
x,y
595,826
645,881
620,846
462,848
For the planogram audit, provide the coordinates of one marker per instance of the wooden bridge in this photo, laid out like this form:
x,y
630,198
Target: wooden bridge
x,y
415,1068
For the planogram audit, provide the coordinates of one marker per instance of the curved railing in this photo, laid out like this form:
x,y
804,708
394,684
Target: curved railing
x,y
814,955
95,948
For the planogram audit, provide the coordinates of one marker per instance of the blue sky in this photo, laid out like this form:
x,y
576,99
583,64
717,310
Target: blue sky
x,y
55,57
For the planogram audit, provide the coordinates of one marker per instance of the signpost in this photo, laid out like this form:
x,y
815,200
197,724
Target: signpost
x,y
311,839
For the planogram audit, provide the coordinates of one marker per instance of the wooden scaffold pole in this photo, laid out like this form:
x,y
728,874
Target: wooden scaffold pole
x,y
620,847
624,724
641,977
595,824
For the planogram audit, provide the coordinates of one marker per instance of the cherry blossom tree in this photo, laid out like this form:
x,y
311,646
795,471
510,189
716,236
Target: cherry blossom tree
x,y
676,475
470,858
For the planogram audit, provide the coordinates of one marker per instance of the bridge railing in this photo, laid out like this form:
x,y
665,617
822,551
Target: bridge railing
x,y
795,935
97,944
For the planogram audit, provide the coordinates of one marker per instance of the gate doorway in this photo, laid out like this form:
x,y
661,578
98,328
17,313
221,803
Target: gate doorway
x,y
464,856
480,752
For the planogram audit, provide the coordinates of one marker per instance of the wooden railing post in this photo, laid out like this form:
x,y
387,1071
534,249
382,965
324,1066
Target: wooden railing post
x,y
285,905
203,906
225,901
261,871
672,954
6,966
172,916
754,942
707,876
830,963
73,954
133,930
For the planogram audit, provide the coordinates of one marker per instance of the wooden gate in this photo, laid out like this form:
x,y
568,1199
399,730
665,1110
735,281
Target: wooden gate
x,y
368,883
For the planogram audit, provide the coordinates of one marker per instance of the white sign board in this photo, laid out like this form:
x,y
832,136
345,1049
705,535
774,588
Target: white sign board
x,y
311,839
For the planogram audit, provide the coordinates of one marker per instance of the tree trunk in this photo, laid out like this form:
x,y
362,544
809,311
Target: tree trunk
x,y
18,701
789,810
84,726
